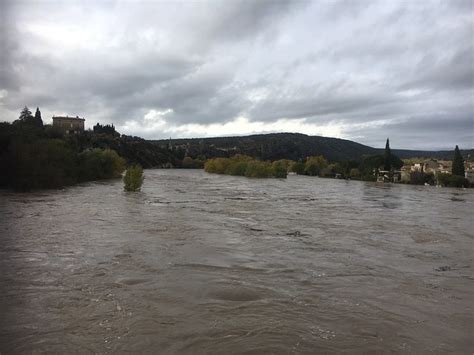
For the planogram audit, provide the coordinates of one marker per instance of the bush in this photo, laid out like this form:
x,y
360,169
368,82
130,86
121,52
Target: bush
x,y
419,178
238,168
242,165
354,173
258,169
133,178
452,180
314,165
190,163
96,164
297,167
217,165
280,169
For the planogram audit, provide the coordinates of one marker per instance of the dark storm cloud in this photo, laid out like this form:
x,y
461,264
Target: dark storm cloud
x,y
356,69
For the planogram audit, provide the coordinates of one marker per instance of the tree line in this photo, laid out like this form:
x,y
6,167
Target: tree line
x,y
34,155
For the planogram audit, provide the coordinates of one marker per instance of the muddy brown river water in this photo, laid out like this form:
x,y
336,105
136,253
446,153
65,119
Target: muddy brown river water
x,y
201,263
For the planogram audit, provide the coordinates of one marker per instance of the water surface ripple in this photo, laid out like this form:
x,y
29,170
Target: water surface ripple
x,y
201,263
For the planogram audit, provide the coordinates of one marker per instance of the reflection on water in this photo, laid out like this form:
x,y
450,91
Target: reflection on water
x,y
200,263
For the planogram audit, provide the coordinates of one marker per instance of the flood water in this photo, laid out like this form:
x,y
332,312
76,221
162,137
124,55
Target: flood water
x,y
202,263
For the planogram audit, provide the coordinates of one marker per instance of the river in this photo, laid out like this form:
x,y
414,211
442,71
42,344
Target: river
x,y
200,263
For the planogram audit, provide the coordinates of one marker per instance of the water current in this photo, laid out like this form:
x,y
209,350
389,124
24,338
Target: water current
x,y
200,263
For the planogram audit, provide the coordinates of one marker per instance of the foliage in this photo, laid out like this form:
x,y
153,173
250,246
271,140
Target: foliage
x,y
242,165
40,164
280,169
105,129
38,122
259,169
332,170
314,165
190,163
292,146
25,115
39,157
96,164
217,165
458,163
377,162
354,173
452,180
387,157
419,178
297,167
133,178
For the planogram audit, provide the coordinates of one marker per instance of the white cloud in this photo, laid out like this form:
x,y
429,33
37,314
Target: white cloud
x,y
155,125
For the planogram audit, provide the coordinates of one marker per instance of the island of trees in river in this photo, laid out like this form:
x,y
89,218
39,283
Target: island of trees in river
x,y
34,156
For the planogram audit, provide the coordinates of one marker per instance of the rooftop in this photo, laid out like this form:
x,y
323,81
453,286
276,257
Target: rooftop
x,y
71,118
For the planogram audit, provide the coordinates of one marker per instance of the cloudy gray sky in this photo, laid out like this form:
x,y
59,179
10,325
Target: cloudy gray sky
x,y
361,70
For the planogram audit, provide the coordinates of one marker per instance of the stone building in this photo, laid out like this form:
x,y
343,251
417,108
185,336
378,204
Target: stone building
x,y
69,125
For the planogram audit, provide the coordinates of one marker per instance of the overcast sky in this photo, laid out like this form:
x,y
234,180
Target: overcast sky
x,y
360,70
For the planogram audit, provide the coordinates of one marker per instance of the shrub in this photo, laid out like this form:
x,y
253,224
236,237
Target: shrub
x,y
96,164
133,178
238,168
314,165
280,169
258,169
354,173
297,167
452,180
217,165
419,178
190,163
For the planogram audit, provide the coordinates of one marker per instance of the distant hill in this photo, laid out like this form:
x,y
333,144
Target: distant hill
x,y
292,146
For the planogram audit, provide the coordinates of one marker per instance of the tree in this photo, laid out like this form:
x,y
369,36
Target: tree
x,y
38,121
280,169
297,167
314,165
458,163
133,178
387,157
25,115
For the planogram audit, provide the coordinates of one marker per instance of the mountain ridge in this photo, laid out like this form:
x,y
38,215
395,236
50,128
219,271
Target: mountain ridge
x,y
274,146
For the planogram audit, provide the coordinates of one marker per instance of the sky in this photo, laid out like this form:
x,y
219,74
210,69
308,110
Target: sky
x,y
360,70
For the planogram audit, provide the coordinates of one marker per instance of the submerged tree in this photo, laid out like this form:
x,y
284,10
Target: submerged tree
x,y
458,163
387,157
133,178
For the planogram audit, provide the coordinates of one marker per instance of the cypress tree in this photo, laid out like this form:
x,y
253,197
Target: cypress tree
x,y
458,163
387,157
38,120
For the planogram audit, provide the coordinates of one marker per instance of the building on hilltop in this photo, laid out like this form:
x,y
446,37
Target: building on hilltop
x,y
69,125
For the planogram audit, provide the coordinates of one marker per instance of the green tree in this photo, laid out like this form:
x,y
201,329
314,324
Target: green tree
x,y
279,169
133,178
96,164
387,157
258,169
314,165
458,163
297,167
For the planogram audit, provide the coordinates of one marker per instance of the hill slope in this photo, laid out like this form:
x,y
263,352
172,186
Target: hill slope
x,y
293,146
